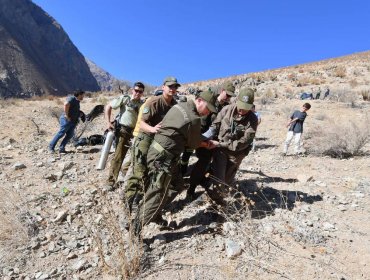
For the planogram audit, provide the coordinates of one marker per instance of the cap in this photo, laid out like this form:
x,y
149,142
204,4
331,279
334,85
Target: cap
x,y
169,81
245,99
229,88
210,98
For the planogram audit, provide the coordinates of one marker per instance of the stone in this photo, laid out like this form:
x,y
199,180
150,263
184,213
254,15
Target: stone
x,y
71,256
61,216
79,265
18,166
233,249
328,226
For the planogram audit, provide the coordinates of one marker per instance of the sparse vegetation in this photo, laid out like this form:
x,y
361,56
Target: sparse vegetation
x,y
365,95
340,71
340,139
13,233
353,83
344,95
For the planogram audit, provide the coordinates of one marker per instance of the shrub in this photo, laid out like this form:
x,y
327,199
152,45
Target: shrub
x,y
365,95
12,230
343,95
340,72
353,83
340,140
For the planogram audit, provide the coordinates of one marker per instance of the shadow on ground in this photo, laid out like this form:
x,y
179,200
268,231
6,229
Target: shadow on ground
x,y
262,202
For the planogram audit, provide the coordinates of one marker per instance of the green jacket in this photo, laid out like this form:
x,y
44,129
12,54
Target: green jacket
x,y
180,127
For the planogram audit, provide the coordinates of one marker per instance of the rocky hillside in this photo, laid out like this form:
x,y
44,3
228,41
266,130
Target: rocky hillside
x,y
105,80
290,217
36,55
346,77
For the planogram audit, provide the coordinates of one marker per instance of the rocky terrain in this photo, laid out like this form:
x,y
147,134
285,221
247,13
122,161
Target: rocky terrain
x,y
292,217
105,80
36,55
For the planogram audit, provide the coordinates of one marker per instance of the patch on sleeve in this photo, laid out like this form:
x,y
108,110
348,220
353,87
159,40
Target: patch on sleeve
x,y
146,110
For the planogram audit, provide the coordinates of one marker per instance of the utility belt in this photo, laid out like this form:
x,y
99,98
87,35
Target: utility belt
x,y
118,127
160,149
147,137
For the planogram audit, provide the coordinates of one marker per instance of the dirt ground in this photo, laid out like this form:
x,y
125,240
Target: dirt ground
x,y
305,217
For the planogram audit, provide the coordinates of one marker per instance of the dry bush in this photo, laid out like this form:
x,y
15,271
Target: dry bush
x,y
303,81
125,251
315,81
365,95
343,95
267,97
340,71
357,72
353,83
13,233
58,101
6,102
340,139
292,77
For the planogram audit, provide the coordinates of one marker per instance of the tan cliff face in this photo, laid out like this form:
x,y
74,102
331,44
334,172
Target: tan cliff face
x,y
36,55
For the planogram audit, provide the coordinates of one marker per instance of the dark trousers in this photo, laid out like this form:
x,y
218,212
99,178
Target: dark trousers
x,y
200,168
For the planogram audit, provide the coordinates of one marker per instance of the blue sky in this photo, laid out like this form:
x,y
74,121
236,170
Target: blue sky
x,y
196,40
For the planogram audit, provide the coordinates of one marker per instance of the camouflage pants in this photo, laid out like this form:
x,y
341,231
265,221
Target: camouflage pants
x,y
165,183
137,182
125,135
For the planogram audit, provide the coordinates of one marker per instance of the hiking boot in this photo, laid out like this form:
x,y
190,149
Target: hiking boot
x,y
63,152
190,196
160,221
128,202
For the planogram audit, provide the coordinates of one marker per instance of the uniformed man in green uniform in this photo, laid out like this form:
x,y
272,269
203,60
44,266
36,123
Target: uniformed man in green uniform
x,y
180,127
129,108
235,127
204,155
154,110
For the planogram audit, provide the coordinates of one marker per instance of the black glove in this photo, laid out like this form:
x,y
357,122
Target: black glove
x,y
82,116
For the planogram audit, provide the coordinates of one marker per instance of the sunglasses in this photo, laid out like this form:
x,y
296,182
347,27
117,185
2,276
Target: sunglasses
x,y
173,86
138,90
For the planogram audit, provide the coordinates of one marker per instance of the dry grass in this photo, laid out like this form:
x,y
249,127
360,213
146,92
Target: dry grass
x,y
340,139
340,71
13,233
365,95
6,102
120,251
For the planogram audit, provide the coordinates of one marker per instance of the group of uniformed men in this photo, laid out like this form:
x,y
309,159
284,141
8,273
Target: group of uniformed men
x,y
166,133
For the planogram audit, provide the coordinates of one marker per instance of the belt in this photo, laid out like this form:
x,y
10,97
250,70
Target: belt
x,y
127,128
160,149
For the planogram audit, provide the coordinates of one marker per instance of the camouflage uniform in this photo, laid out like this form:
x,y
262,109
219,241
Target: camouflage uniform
x,y
129,109
204,155
154,109
181,127
235,133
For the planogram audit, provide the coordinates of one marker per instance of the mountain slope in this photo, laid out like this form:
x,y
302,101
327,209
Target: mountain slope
x,y
36,55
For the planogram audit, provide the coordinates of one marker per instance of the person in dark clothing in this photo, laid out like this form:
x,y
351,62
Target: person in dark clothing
x,y
68,121
295,131
204,155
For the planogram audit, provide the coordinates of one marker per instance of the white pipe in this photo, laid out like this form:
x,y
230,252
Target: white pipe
x,y
105,150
